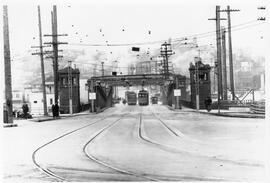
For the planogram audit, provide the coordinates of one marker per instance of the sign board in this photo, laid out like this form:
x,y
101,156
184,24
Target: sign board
x,y
92,96
135,49
177,92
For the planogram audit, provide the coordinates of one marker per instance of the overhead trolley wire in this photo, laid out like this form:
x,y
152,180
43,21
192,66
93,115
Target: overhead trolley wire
x,y
199,35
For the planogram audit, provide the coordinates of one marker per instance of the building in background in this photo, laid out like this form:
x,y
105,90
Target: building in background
x,y
147,67
17,99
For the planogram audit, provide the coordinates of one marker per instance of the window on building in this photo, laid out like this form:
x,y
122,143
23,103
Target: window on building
x,y
51,101
203,77
35,101
74,81
17,95
50,88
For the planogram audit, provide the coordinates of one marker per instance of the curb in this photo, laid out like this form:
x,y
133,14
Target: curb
x,y
236,116
178,110
7,125
103,109
61,117
221,114
68,116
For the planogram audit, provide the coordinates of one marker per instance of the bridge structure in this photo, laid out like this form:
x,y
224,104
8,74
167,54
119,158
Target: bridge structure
x,y
103,87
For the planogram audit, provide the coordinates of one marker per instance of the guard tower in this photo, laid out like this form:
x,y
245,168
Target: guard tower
x,y
69,83
199,82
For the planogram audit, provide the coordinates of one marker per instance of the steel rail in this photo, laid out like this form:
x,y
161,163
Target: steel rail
x,y
174,150
106,164
47,171
183,136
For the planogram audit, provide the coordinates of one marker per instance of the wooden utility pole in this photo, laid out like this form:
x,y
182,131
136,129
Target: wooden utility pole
x,y
92,100
8,84
219,69
42,64
228,10
102,68
230,51
197,82
224,64
177,104
70,87
55,51
218,37
41,53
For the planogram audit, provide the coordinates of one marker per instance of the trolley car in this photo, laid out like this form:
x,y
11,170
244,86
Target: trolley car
x,y
143,97
154,100
131,97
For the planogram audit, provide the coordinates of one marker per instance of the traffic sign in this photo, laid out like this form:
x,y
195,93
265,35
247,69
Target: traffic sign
x,y
177,92
92,96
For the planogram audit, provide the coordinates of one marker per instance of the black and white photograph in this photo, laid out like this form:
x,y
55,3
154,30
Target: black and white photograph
x,y
135,91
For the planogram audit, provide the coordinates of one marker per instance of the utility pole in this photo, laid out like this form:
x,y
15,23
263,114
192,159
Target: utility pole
x,y
94,70
218,38
92,100
165,52
55,51
8,79
224,64
228,10
102,68
70,87
177,97
41,54
197,84
42,64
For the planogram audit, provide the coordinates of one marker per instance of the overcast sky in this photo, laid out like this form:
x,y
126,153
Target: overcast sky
x,y
83,21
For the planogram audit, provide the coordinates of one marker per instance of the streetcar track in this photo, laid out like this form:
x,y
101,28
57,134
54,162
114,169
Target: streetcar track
x,y
106,164
218,159
46,170
174,150
121,171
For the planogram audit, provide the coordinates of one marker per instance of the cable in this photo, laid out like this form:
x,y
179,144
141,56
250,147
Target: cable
x,y
233,30
160,41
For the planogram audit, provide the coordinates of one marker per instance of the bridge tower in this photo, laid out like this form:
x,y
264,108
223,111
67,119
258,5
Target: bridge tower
x,y
199,82
66,81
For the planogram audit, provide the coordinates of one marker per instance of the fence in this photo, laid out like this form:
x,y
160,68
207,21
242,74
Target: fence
x,y
258,108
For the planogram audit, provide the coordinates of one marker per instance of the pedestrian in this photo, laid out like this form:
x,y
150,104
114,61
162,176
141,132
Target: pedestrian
x,y
208,103
53,111
25,109
56,110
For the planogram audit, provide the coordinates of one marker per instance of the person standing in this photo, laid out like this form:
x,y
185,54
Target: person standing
x,y
208,103
56,110
53,111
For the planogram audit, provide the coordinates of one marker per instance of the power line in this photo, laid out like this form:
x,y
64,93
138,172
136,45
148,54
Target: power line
x,y
181,45
160,41
241,28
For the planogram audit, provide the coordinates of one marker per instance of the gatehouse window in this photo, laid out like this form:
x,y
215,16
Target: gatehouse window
x,y
74,81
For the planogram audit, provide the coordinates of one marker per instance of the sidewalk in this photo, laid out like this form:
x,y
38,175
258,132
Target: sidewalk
x,y
226,113
63,116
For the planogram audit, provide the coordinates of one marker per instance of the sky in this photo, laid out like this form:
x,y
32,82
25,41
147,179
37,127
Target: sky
x,y
119,22
164,20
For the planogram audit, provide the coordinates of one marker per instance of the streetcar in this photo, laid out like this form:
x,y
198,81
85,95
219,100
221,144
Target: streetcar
x,y
131,97
154,100
143,97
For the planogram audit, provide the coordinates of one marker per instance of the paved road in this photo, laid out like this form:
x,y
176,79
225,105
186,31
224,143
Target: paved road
x,y
133,143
